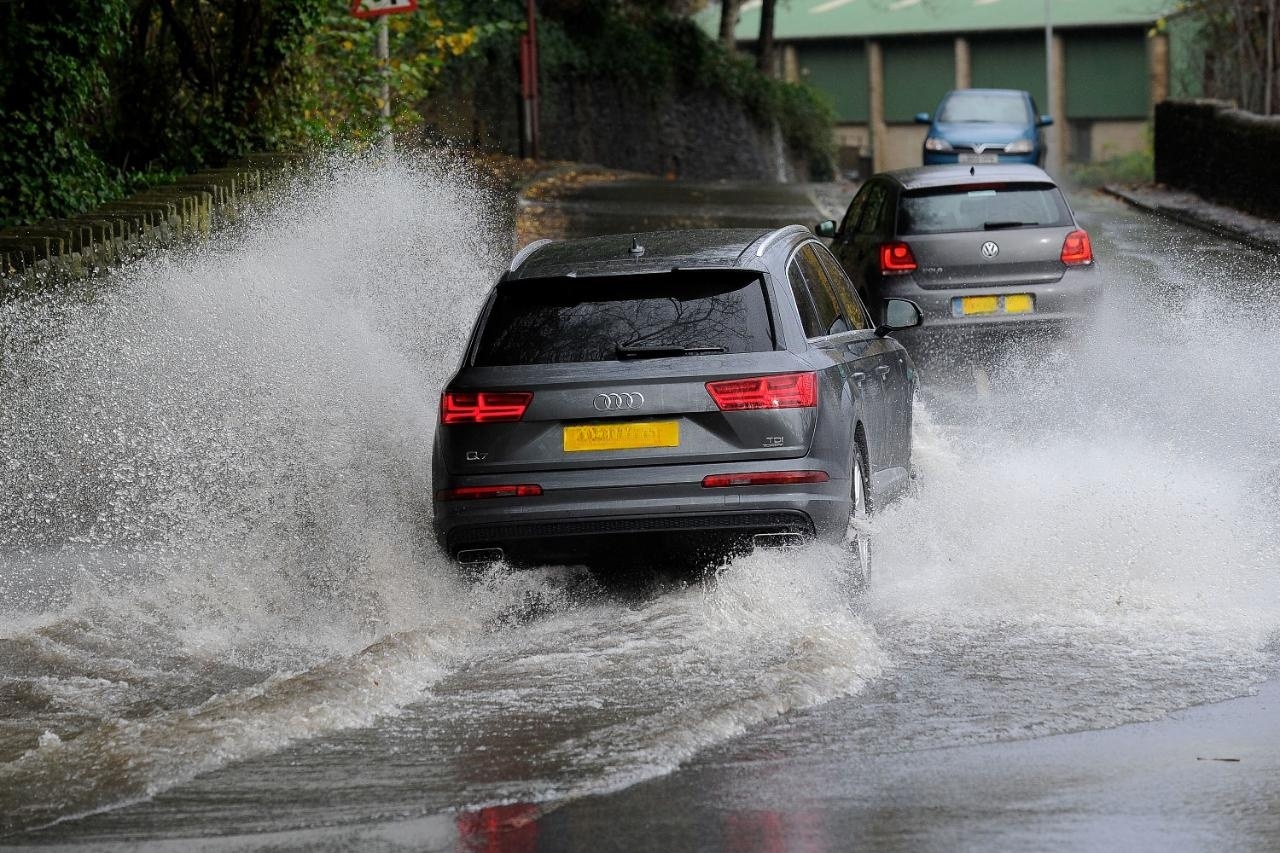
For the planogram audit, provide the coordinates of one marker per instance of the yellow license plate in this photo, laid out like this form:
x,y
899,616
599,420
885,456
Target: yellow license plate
x,y
1015,303
622,436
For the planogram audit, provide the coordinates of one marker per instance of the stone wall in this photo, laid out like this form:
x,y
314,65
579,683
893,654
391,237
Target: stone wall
x,y
698,134
46,254
1220,153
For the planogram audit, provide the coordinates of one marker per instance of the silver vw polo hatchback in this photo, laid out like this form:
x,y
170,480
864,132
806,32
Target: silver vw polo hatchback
x,y
980,249
679,394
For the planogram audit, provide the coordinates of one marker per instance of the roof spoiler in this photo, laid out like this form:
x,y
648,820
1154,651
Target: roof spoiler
x,y
526,253
773,236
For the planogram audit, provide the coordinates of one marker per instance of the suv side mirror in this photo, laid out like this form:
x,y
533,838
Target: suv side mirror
x,y
826,228
1044,121
899,314
923,118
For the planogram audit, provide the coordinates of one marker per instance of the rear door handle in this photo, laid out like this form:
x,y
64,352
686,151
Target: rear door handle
x,y
883,370
858,376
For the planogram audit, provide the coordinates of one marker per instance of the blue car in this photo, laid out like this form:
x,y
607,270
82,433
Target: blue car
x,y
976,126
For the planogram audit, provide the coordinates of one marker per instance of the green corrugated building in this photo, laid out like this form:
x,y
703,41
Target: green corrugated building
x,y
882,61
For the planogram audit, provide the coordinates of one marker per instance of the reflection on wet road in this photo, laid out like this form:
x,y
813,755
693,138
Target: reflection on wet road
x,y
1092,543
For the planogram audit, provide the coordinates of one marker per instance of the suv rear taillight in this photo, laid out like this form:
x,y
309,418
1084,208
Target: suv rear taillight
x,y
1076,249
476,493
483,407
780,391
896,259
763,478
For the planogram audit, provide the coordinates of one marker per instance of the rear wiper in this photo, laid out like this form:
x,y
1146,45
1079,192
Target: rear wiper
x,y
624,351
992,226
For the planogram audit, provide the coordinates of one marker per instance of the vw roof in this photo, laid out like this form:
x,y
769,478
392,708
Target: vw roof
x,y
925,177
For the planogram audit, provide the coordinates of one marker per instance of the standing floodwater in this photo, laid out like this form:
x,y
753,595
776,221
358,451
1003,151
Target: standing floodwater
x,y
219,601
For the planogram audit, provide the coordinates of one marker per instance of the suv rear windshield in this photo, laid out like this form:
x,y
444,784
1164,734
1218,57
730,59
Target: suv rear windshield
x,y
694,312
979,208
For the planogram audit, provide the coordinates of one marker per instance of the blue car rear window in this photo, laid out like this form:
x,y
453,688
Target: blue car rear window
x,y
982,208
559,320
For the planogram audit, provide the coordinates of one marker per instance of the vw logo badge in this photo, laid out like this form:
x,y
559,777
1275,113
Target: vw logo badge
x,y
990,250
618,402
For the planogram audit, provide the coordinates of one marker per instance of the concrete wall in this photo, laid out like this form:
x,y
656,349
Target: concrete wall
x,y
903,144
1110,139
55,252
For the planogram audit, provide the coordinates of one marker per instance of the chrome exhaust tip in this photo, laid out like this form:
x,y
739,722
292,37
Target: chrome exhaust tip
x,y
478,556
777,540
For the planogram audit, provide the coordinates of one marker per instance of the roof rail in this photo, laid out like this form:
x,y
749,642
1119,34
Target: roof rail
x,y
525,253
781,232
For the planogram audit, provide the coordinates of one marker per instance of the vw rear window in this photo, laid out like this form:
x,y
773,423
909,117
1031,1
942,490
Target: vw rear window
x,y
558,320
978,208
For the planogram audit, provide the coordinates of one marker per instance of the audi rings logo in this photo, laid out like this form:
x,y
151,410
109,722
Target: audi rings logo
x,y
990,249
618,402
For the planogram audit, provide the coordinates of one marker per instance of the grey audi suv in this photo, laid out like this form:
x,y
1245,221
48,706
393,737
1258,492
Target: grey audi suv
x,y
676,394
980,249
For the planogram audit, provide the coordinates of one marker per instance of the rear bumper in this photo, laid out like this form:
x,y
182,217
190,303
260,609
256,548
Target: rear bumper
x,y
632,523
621,541
1072,300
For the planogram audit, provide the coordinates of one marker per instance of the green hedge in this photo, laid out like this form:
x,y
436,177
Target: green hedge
x,y
1219,152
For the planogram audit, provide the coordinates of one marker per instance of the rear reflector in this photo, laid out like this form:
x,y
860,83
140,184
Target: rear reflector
x,y
475,493
1076,249
896,259
484,407
763,478
780,391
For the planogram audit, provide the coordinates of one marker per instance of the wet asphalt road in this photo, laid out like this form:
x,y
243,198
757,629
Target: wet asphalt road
x,y
1063,623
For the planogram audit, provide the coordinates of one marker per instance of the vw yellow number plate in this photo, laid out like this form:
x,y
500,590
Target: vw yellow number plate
x,y
622,436
1014,303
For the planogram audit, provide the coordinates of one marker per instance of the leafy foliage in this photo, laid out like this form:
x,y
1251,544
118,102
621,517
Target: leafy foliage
x,y
1241,44
336,84
99,97
53,83
195,76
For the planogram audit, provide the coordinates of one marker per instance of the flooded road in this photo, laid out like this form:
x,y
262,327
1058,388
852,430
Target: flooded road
x,y
221,619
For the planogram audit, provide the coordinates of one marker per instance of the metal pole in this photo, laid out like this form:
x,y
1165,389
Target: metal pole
x,y
1271,58
1048,54
1056,157
532,12
384,71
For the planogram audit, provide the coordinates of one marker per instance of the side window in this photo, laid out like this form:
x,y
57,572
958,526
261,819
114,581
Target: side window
x,y
850,220
831,319
884,222
813,327
873,213
854,311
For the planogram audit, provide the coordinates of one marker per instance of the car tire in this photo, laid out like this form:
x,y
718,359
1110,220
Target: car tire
x,y
857,538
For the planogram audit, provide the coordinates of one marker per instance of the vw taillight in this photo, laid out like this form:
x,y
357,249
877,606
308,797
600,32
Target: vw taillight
x,y
1076,249
896,259
780,391
483,407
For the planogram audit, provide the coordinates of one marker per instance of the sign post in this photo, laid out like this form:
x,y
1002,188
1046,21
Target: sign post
x,y
529,82
380,9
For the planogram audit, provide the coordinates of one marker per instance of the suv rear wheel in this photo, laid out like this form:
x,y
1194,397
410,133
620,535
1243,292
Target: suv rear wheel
x,y
857,537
